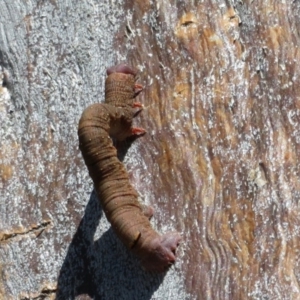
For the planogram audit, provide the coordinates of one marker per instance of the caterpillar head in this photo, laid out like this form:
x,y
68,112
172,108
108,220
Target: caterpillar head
x,y
120,86
121,68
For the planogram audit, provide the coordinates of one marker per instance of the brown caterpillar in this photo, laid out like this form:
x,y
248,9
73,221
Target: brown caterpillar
x,y
128,218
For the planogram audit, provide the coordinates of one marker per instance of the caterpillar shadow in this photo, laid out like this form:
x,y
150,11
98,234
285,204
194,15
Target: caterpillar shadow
x,y
103,268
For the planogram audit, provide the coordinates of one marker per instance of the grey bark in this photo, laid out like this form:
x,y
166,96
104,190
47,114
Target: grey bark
x,y
52,231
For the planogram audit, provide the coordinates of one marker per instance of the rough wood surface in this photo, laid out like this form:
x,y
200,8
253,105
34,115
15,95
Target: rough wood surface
x,y
220,162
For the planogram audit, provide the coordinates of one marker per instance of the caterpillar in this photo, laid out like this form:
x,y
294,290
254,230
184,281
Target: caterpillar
x,y
129,219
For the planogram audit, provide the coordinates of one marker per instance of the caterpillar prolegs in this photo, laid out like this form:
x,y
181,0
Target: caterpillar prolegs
x,y
129,219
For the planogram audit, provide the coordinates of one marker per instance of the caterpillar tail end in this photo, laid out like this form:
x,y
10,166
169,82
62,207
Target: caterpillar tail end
x,y
163,252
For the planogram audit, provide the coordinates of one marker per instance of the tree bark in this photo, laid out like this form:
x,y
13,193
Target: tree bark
x,y
219,162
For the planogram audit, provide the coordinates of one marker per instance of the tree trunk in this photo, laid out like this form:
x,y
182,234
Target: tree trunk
x,y
219,162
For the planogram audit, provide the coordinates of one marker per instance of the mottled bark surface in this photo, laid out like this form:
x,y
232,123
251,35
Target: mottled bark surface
x,y
219,162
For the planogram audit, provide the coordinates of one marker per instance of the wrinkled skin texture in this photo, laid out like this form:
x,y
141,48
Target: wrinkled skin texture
x,y
129,219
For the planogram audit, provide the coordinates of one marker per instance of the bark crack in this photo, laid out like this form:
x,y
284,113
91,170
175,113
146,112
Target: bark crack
x,y
36,229
45,293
